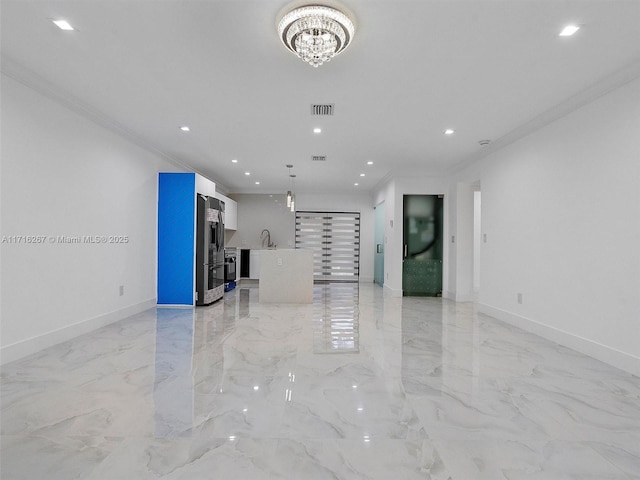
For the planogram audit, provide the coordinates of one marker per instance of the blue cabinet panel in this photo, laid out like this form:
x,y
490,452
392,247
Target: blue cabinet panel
x,y
176,231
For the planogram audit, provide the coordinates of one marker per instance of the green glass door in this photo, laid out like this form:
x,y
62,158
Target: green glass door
x,y
422,260
378,265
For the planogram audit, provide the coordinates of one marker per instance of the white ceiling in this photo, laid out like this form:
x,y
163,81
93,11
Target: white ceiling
x,y
488,69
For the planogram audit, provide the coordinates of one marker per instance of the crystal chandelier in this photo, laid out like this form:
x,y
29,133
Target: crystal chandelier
x,y
316,33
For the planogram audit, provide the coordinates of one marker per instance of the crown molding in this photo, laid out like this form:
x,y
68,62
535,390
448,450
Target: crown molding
x,y
32,80
571,104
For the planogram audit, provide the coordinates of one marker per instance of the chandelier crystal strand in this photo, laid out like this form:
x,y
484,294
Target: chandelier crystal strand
x,y
316,33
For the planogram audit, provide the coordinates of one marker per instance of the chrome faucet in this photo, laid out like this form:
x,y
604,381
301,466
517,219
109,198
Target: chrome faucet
x,y
266,238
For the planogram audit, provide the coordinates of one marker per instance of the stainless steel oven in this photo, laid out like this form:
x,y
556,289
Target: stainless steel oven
x,y
230,255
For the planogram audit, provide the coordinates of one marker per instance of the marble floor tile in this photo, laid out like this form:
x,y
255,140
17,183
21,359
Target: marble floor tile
x,y
358,385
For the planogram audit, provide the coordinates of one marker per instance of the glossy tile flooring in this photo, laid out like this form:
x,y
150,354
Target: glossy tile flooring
x,y
356,386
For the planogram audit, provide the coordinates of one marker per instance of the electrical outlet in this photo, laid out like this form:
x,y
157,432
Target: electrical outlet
x,y
121,290
520,298
484,238
453,239
279,261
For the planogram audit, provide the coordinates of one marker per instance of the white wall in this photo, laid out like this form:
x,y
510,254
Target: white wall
x,y
257,212
561,211
63,175
460,241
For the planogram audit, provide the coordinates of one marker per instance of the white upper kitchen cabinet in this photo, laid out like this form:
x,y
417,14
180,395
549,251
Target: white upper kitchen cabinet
x,y
230,212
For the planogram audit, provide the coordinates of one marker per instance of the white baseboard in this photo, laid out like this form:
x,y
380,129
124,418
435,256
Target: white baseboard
x,y
457,297
623,361
365,280
18,350
392,292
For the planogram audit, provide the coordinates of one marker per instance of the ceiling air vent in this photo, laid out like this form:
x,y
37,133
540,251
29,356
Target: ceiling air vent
x,y
319,158
322,109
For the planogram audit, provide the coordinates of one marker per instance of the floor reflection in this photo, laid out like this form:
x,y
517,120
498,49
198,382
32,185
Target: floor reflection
x,y
173,384
212,324
422,354
336,318
413,388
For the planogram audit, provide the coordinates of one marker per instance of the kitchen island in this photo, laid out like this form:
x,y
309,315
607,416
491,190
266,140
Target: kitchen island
x,y
286,276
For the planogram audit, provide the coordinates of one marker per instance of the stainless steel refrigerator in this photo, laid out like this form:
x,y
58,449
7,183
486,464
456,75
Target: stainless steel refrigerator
x,y
209,250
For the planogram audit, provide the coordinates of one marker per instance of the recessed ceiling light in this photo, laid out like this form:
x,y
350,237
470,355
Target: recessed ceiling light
x,y
247,173
362,174
569,30
369,162
317,130
184,128
449,131
63,25
356,184
257,183
234,161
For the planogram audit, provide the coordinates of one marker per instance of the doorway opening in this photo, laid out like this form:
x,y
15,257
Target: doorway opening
x,y
477,240
378,256
423,245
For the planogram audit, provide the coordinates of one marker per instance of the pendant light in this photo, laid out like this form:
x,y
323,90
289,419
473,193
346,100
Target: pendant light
x,y
293,197
289,194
